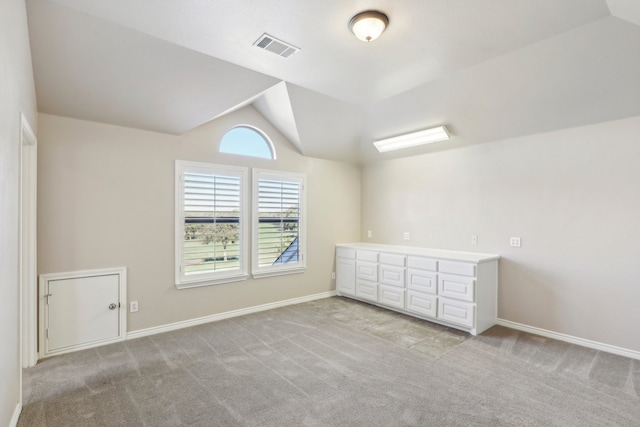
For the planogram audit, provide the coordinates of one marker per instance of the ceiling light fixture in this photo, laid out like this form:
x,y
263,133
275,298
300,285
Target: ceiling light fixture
x,y
367,26
412,139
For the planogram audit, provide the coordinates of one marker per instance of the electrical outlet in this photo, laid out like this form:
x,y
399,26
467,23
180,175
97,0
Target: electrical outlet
x,y
515,242
133,306
333,275
369,234
407,235
474,240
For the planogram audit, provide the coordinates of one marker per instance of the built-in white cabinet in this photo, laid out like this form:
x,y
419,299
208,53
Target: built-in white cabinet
x,y
457,289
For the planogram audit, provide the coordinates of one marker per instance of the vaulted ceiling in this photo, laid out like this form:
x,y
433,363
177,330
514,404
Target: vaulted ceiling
x,y
487,69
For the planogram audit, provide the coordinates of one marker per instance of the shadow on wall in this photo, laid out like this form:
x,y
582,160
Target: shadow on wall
x,y
519,282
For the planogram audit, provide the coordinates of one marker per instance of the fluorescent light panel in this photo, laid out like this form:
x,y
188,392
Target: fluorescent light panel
x,y
412,139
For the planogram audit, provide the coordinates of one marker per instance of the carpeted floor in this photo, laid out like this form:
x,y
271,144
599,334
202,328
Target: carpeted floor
x,y
333,362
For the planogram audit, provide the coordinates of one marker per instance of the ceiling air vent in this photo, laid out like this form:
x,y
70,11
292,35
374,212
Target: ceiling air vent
x,y
276,46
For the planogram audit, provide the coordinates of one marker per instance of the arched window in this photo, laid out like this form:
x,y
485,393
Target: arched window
x,y
247,141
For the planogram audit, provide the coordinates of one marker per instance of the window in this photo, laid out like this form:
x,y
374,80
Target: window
x,y
278,223
247,141
210,241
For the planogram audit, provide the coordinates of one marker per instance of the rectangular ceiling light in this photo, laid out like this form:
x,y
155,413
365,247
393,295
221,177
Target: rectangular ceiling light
x,y
412,139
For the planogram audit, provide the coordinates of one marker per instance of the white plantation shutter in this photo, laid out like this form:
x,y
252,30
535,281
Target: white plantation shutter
x,y
210,223
278,223
279,214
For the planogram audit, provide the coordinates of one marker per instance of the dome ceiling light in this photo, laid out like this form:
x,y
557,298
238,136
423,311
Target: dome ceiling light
x,y
367,26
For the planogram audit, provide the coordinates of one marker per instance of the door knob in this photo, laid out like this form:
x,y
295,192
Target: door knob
x,y
113,306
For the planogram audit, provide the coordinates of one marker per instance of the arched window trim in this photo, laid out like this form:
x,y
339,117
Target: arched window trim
x,y
265,137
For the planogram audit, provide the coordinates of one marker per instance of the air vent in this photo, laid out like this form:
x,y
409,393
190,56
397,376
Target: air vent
x,y
276,46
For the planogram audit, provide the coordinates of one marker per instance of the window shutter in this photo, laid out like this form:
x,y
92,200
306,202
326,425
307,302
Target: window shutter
x,y
279,209
211,223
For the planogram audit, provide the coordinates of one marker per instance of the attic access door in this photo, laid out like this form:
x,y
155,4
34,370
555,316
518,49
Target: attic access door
x,y
81,310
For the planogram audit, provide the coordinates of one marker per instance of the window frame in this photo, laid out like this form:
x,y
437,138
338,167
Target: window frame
x,y
258,271
182,280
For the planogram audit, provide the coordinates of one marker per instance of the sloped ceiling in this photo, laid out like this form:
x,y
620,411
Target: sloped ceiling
x,y
487,69
628,10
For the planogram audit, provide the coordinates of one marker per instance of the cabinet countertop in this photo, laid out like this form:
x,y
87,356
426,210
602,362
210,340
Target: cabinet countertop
x,y
426,252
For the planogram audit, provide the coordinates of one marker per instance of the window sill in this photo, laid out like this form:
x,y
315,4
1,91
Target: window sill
x,y
210,282
271,273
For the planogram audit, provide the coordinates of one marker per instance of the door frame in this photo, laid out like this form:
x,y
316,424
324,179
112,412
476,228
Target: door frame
x,y
28,244
122,300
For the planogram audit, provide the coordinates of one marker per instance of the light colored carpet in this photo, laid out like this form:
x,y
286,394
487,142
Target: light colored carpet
x,y
333,362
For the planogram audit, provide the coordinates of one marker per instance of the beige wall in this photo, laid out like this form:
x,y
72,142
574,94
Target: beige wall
x,y
573,196
17,94
106,199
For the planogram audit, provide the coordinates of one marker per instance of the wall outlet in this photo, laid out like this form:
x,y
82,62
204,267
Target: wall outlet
x,y
133,306
369,234
474,240
333,275
515,242
407,235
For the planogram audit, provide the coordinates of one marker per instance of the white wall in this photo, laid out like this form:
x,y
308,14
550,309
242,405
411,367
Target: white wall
x,y
17,94
106,199
573,196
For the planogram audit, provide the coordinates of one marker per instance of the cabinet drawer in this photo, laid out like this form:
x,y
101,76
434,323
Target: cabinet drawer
x,y
367,256
422,281
391,296
454,267
367,290
346,253
421,303
367,271
422,263
391,259
390,275
457,312
458,287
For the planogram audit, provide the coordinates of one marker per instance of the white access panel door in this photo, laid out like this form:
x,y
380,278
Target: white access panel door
x,y
82,312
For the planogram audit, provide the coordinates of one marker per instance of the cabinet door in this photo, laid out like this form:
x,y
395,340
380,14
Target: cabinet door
x,y
458,287
367,271
457,312
391,296
346,276
367,290
422,303
422,281
392,275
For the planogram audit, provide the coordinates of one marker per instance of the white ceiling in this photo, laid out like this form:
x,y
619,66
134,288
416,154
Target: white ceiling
x,y
488,69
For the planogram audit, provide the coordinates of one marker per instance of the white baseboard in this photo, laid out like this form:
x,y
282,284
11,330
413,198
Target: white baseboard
x,y
571,339
16,415
226,315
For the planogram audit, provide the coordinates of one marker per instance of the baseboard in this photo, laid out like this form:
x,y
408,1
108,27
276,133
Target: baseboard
x,y
16,415
571,339
226,315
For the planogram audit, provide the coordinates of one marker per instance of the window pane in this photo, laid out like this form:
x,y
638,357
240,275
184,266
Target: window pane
x,y
247,141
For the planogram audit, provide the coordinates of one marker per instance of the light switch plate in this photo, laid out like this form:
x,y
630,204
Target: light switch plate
x,y
515,242
407,235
